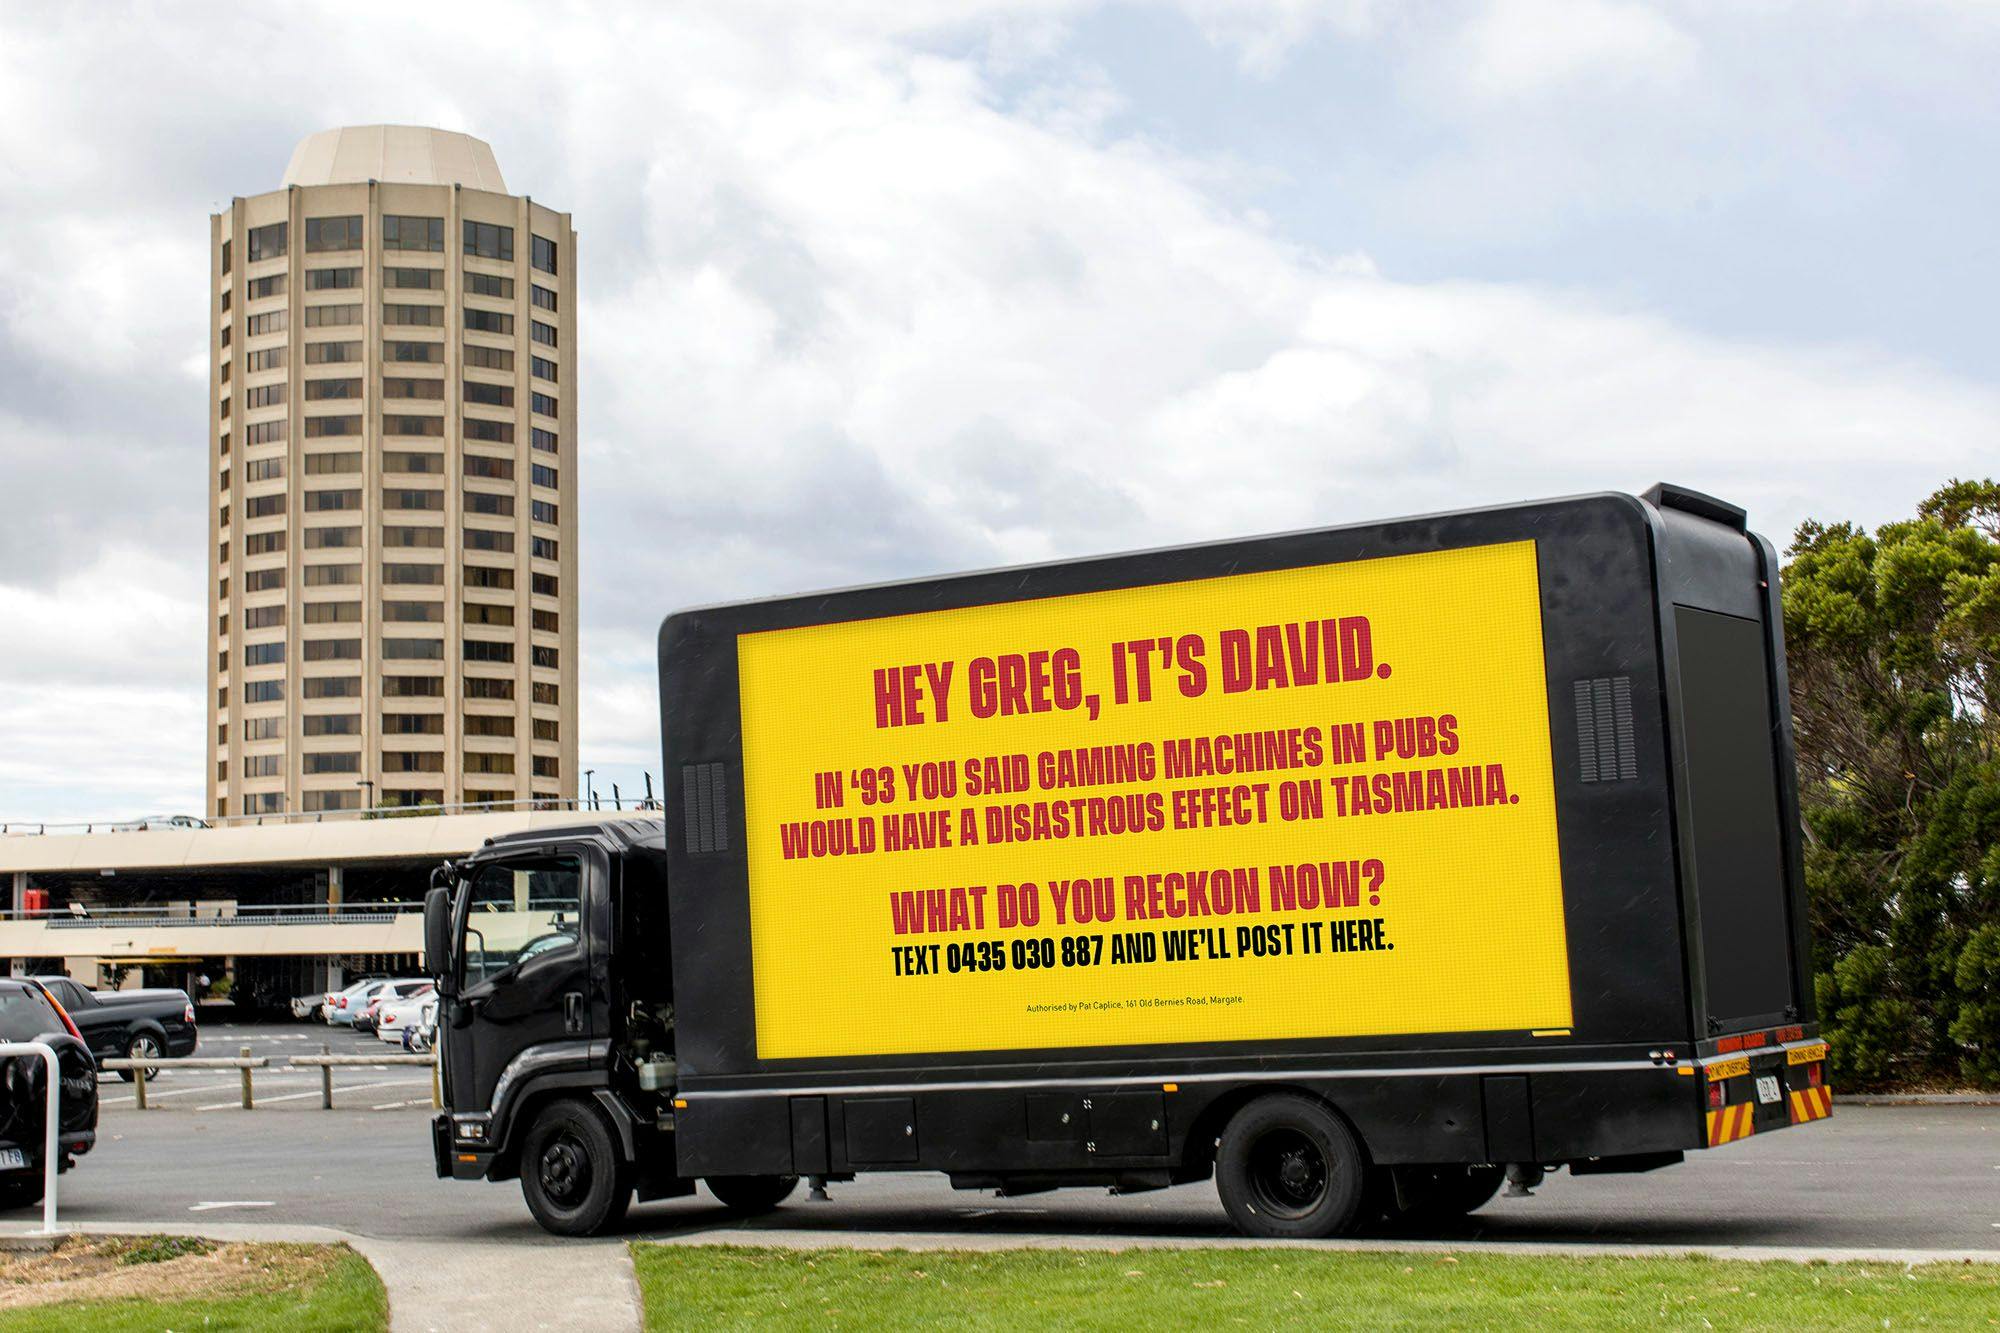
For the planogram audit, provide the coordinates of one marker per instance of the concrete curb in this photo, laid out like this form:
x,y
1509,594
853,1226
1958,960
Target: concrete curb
x,y
1917,1098
926,1241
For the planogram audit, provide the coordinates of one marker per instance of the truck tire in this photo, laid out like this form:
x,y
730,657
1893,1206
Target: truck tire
x,y
1433,1195
751,1196
23,1191
572,1176
1289,1167
141,1046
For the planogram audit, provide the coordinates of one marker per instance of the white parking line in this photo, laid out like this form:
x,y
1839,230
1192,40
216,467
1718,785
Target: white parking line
x,y
337,1088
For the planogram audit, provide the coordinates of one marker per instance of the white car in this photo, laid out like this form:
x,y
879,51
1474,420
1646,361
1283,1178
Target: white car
x,y
342,1005
392,1016
420,1033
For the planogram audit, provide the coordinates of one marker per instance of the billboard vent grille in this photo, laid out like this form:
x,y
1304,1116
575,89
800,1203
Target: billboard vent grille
x,y
1604,729
704,804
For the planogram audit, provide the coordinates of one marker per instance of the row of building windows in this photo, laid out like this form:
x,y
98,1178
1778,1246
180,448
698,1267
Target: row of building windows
x,y
393,687
320,762
398,649
497,577
486,240
393,724
476,466
399,612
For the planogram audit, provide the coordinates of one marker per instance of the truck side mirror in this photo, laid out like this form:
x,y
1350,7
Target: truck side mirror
x,y
437,940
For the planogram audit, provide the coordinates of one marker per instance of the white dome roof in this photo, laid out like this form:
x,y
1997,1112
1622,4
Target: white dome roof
x,y
396,154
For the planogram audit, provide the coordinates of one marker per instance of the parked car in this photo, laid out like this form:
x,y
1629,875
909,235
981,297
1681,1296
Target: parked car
x,y
30,1013
343,1005
308,1006
400,988
134,1024
420,1034
393,1016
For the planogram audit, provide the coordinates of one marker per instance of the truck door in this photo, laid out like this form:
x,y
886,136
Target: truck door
x,y
524,959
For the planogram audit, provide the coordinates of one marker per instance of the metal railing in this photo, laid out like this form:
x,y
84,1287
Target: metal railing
x,y
144,1071
616,803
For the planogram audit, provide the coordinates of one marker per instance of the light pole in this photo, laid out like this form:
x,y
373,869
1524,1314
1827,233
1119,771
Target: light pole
x,y
589,796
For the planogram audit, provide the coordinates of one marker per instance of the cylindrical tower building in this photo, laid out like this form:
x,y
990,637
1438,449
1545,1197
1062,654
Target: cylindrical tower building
x,y
392,521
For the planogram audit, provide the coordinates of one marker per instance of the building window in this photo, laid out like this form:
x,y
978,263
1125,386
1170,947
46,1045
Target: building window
x,y
413,575
414,279
263,654
262,395
545,440
486,539
398,498
496,469
485,502
545,585
323,464
321,502
479,613
547,766
542,511
225,256
544,404
262,728
480,650
543,298
264,432
271,321
332,279
412,233
333,687
333,650
325,234
543,476
263,691
545,334
261,765
262,802
321,390
400,313
412,761
340,798
489,763
332,576
333,724
322,427
490,395
394,387
263,543
257,289
403,424
267,242
332,354
326,316
487,284
482,724
413,612
542,253
333,613
547,729
264,617
548,622
413,724
419,650
405,535
413,687
496,432
489,358
542,548
542,368
264,506
486,576
269,358
430,353
320,539
545,657
489,241
223,408
488,321
485,687
332,762
545,693
399,460
263,469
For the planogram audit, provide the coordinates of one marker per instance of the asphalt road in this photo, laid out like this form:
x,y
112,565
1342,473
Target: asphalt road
x,y
279,1087
1906,1177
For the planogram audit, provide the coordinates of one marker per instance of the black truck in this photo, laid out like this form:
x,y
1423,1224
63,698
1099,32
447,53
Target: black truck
x,y
1362,869
129,1024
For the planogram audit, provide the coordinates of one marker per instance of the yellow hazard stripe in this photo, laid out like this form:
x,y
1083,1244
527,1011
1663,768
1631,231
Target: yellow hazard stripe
x,y
1730,1124
1811,1104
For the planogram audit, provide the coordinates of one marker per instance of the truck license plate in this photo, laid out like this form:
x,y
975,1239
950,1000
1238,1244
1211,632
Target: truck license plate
x,y
1767,1089
12,1159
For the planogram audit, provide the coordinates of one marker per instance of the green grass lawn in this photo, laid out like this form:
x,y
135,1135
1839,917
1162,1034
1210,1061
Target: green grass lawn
x,y
274,1287
1137,1290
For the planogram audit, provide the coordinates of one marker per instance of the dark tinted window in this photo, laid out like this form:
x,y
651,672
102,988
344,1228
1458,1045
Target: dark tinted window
x,y
25,1015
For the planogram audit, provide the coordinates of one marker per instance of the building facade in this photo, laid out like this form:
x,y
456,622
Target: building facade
x,y
392,520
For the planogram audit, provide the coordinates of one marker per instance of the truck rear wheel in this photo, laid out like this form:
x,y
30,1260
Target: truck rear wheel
x,y
750,1196
571,1173
1288,1167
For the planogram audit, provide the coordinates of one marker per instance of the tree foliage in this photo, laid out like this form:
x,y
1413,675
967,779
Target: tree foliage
x,y
1893,643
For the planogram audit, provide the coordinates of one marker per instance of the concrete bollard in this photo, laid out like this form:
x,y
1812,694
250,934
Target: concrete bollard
x,y
248,1104
325,1080
139,1086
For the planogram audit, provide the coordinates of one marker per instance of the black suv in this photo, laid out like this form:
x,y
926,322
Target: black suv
x,y
27,1013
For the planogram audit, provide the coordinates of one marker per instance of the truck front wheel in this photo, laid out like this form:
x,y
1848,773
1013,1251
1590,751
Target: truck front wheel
x,y
749,1196
1288,1167
571,1173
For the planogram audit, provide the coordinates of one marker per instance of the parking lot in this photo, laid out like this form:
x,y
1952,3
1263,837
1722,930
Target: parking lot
x,y
279,1087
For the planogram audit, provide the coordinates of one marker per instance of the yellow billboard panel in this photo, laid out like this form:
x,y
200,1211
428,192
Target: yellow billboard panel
x,y
1314,802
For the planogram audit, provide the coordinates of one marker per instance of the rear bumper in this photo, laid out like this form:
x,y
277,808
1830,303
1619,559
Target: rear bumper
x,y
1765,1090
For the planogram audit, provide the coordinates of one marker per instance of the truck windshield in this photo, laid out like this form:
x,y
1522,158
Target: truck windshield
x,y
517,910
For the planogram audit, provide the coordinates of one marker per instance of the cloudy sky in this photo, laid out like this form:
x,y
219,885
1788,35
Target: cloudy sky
x,y
877,288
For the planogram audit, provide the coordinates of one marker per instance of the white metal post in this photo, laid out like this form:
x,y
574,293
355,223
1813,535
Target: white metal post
x,y
54,1115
